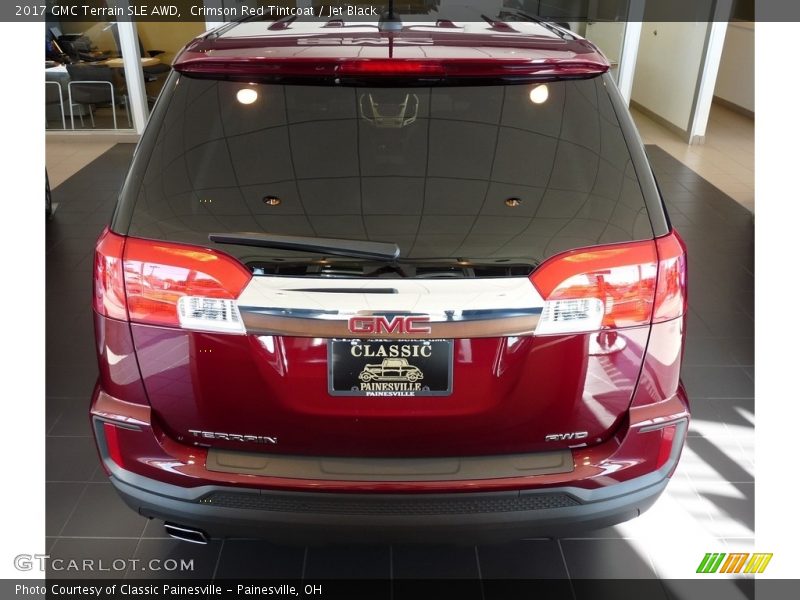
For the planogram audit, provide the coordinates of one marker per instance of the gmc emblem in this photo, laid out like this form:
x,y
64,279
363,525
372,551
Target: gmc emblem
x,y
396,325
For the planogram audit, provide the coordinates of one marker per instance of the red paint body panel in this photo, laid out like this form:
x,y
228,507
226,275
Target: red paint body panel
x,y
119,371
631,453
508,394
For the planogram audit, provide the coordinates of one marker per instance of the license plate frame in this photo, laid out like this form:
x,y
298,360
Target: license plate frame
x,y
420,376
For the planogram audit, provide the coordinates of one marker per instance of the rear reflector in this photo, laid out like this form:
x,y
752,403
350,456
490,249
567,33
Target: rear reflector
x,y
161,283
665,448
608,287
112,444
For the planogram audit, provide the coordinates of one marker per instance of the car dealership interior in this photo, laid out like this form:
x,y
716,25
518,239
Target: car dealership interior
x,y
690,89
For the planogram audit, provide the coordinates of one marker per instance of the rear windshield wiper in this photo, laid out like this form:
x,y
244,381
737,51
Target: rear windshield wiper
x,y
387,251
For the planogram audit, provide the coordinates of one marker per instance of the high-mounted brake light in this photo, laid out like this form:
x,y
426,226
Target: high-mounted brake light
x,y
390,67
608,287
161,283
201,64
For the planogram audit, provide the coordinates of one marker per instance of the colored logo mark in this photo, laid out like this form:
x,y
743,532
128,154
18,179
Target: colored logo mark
x,y
737,562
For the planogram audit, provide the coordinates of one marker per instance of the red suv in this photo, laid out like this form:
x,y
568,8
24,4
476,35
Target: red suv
x,y
384,280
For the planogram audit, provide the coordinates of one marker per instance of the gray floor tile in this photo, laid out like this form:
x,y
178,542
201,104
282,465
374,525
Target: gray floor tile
x,y
90,558
712,351
743,351
736,412
704,411
70,384
604,559
259,559
434,561
729,323
733,507
100,475
353,562
175,559
456,564
70,458
715,459
73,417
532,559
155,529
102,513
695,327
52,413
717,382
60,501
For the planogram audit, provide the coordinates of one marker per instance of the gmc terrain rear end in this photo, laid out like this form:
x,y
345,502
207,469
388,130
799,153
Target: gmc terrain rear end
x,y
377,283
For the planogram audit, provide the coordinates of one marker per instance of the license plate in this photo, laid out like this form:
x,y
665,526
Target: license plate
x,y
390,367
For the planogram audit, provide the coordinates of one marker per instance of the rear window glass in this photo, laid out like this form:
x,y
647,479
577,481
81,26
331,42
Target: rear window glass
x,y
485,175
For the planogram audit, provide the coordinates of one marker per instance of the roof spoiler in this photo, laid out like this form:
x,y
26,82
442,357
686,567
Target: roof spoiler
x,y
248,66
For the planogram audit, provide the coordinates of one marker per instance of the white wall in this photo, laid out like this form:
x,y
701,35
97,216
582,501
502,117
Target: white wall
x,y
607,37
667,69
735,81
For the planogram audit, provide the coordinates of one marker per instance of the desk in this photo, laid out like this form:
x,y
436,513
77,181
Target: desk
x,y
116,63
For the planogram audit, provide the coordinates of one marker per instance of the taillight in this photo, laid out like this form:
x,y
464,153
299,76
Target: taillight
x,y
601,288
173,285
109,283
187,286
608,287
670,299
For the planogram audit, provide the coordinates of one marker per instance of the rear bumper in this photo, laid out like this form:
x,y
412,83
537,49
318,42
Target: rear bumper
x,y
610,483
301,517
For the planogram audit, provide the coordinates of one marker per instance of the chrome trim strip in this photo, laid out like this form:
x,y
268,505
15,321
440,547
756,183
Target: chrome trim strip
x,y
464,308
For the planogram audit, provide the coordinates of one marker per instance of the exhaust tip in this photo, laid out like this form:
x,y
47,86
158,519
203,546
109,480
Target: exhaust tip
x,y
187,534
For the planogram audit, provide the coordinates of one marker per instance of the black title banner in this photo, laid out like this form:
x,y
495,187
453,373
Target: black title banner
x,y
407,10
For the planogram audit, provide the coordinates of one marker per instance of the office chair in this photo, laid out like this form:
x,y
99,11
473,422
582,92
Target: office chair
x,y
92,85
52,95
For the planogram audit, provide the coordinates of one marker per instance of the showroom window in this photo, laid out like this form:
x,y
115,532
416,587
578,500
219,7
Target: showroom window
x,y
88,86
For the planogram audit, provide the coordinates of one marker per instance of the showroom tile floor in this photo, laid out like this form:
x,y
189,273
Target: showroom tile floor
x,y
64,159
726,158
708,507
